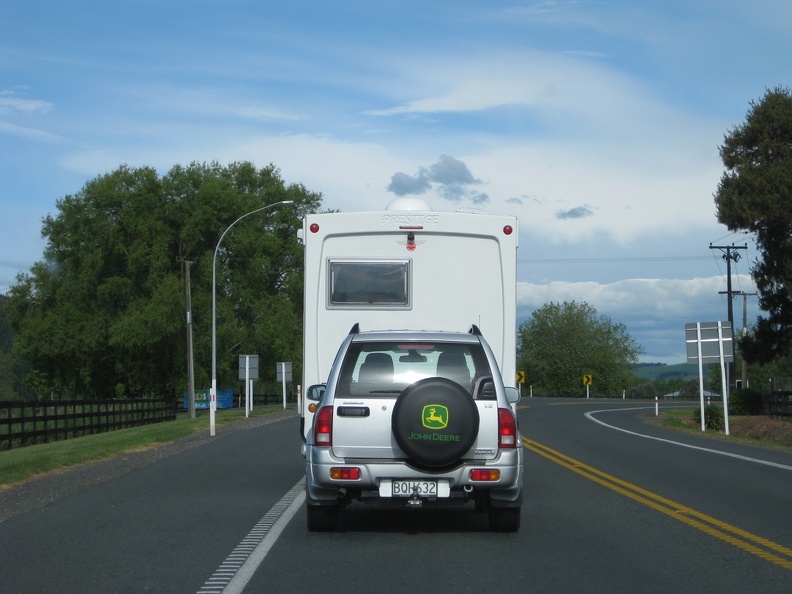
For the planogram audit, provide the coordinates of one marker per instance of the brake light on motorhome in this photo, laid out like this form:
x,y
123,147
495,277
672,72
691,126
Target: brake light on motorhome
x,y
507,429
508,230
323,427
314,228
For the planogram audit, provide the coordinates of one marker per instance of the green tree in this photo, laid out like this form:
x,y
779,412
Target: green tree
x,y
755,194
103,314
668,385
646,390
6,357
562,342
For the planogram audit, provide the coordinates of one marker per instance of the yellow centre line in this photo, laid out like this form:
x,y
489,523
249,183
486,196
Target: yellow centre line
x,y
756,545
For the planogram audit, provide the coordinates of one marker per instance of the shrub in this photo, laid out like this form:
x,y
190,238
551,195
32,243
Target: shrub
x,y
644,391
745,401
713,417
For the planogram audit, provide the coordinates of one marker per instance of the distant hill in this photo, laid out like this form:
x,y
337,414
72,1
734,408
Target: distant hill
x,y
650,372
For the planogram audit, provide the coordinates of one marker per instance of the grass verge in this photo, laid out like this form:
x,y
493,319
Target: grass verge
x,y
20,464
754,430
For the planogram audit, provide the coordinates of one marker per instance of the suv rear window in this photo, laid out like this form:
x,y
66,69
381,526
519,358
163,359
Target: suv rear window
x,y
387,368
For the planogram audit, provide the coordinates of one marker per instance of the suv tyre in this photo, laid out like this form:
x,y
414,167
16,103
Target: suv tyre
x,y
435,422
504,519
322,518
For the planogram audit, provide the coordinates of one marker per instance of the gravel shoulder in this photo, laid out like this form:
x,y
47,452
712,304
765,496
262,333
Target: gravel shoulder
x,y
763,428
44,489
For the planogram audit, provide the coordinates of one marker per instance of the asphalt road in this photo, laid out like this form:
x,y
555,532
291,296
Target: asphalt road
x,y
162,527
606,509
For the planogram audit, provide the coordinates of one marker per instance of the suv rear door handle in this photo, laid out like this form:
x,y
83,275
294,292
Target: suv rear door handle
x,y
353,411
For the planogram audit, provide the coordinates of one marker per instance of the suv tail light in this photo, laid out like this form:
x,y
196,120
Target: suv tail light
x,y
507,429
345,473
323,427
485,474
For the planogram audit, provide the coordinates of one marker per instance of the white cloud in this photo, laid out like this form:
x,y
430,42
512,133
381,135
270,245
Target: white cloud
x,y
264,113
9,104
569,131
28,133
92,162
460,83
565,92
653,310
653,298
624,198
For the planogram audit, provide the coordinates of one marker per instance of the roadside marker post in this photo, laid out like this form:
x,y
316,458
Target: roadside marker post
x,y
212,409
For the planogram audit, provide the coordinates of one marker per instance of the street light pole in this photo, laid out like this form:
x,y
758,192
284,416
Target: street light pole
x,y
213,392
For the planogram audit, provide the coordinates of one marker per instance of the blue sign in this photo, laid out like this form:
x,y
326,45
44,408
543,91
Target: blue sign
x,y
225,399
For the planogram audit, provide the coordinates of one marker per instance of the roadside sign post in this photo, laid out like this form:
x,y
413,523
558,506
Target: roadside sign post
x,y
248,371
711,342
724,383
520,381
284,371
588,379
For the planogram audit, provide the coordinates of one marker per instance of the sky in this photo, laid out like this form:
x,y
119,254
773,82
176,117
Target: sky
x,y
596,123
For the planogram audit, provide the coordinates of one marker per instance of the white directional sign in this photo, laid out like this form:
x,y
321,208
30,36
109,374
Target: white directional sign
x,y
711,342
284,371
248,367
710,336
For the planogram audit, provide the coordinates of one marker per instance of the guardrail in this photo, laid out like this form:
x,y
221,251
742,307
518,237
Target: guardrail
x,y
28,423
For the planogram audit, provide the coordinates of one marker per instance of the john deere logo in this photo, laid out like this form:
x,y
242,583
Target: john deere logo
x,y
435,416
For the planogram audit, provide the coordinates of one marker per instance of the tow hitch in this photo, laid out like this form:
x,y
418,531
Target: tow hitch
x,y
414,501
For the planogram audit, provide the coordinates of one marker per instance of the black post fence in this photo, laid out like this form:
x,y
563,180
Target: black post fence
x,y
29,423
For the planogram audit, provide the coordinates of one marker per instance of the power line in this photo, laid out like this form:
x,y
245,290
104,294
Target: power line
x,y
609,260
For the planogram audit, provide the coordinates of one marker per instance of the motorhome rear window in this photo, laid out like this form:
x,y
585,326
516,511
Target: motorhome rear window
x,y
367,283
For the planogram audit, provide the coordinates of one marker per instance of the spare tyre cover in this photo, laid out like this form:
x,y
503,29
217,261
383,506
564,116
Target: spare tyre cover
x,y
435,421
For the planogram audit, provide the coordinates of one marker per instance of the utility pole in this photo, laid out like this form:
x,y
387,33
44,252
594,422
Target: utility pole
x,y
730,254
744,375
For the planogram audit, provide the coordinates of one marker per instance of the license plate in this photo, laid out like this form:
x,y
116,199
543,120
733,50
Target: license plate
x,y
406,488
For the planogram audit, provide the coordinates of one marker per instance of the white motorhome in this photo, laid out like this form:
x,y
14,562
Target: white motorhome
x,y
407,268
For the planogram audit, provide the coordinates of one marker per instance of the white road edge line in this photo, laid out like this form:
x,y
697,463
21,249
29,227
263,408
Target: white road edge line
x,y
266,532
684,445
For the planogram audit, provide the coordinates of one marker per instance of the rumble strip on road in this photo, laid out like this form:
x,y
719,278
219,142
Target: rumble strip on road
x,y
235,572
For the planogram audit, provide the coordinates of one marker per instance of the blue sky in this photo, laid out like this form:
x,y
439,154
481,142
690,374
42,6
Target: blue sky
x,y
597,123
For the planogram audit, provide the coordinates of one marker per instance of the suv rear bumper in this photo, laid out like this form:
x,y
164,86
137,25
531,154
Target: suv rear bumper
x,y
505,492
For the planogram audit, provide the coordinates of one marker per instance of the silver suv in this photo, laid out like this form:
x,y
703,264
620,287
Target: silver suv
x,y
413,419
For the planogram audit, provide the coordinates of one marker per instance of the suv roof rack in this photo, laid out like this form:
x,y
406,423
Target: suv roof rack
x,y
474,330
